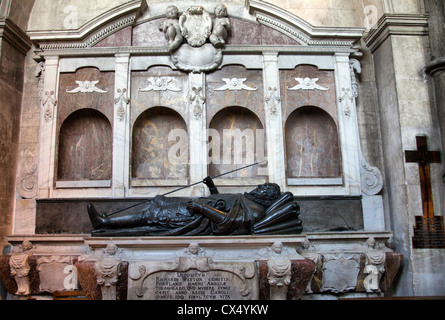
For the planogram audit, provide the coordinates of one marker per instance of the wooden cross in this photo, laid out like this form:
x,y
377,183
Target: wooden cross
x,y
424,157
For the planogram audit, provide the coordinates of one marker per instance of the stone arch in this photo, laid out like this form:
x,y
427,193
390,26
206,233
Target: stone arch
x,y
312,145
159,145
236,139
85,148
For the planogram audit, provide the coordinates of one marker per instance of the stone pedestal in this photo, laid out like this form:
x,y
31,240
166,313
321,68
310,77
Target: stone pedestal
x,y
211,268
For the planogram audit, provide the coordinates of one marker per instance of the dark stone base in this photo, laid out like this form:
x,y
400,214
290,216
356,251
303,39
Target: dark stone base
x,y
319,214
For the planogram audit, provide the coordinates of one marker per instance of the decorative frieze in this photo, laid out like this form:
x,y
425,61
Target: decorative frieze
x,y
161,84
87,87
235,84
307,84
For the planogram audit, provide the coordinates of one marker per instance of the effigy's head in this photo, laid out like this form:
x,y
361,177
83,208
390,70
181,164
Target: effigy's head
x,y
266,194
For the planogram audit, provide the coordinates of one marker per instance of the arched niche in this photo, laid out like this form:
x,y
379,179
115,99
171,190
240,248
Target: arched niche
x,y
312,147
85,147
159,146
236,139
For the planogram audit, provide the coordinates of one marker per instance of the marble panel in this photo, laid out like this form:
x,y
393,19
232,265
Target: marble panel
x,y
325,99
85,147
122,38
81,99
151,145
219,99
312,145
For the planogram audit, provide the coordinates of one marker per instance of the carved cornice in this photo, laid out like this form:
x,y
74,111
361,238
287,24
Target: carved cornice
x,y
10,32
92,32
397,25
300,30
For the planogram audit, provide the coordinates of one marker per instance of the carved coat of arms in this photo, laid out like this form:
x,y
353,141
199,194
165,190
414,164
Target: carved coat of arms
x,y
196,26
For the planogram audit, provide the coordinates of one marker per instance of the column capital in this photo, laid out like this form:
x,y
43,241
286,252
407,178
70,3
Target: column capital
x,y
397,25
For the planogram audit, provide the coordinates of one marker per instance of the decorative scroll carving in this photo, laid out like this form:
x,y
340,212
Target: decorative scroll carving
x,y
372,179
19,266
122,101
27,183
198,100
273,100
87,87
160,84
196,26
108,272
235,84
307,84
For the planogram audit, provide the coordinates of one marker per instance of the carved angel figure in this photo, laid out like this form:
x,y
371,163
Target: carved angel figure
x,y
20,268
235,84
87,87
307,84
221,27
160,84
170,27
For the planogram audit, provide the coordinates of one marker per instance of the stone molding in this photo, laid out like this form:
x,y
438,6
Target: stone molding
x,y
397,25
10,32
435,66
92,32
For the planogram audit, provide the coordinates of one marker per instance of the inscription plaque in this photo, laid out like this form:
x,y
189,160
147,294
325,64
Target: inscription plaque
x,y
193,277
194,285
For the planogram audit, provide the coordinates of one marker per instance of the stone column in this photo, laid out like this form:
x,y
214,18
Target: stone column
x,y
121,133
348,125
197,132
47,136
274,120
436,68
398,47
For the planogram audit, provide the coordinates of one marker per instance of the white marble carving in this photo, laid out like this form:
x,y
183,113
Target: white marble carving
x,y
49,103
372,179
87,87
197,100
19,266
346,101
160,84
355,67
375,266
196,26
121,102
197,60
171,28
340,272
273,100
108,271
279,273
307,84
192,275
221,27
27,183
235,84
